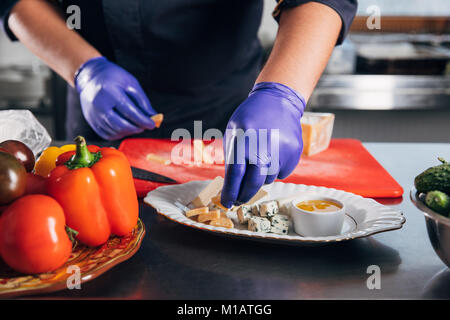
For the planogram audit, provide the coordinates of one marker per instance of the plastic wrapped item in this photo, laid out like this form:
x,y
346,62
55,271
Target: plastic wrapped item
x,y
23,126
317,130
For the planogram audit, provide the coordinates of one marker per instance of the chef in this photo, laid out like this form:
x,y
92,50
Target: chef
x,y
189,60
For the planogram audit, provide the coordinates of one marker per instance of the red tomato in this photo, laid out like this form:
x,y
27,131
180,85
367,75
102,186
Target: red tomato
x,y
35,184
33,238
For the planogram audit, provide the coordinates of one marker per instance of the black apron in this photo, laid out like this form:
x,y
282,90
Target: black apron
x,y
195,59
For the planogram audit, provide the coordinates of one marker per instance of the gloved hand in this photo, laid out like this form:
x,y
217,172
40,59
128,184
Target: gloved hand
x,y
266,154
112,100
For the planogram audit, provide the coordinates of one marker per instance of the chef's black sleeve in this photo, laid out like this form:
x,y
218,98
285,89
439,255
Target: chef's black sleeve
x,y
5,9
345,8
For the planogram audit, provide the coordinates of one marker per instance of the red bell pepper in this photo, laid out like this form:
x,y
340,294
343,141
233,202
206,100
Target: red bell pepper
x,y
96,190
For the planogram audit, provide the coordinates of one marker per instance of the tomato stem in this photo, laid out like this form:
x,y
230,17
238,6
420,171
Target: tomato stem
x,y
72,236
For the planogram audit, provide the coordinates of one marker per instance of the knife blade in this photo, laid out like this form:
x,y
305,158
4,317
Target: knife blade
x,y
150,176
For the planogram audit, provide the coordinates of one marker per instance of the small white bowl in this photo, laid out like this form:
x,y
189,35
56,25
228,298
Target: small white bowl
x,y
317,224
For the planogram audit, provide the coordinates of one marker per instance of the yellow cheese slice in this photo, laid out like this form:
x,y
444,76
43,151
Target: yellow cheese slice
x,y
215,214
211,190
317,129
222,222
157,119
197,211
155,158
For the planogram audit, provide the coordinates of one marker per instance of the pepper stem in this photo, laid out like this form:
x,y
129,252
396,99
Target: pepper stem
x,y
82,158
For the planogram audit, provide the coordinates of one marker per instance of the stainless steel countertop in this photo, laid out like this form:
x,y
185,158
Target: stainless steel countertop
x,y
176,262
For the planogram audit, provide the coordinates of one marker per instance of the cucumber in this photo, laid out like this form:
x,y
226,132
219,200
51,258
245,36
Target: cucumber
x,y
438,201
434,178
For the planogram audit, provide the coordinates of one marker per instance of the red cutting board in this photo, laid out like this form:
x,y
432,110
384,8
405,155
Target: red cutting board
x,y
345,165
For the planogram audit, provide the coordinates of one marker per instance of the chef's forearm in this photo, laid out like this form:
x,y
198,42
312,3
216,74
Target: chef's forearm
x,y
42,29
306,37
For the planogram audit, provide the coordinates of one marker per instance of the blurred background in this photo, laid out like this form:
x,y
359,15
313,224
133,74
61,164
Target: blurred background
x,y
387,84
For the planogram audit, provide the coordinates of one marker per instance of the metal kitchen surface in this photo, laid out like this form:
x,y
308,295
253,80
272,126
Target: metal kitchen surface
x,y
176,262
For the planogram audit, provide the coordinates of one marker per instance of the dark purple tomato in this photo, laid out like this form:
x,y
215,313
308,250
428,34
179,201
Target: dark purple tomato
x,y
20,151
13,178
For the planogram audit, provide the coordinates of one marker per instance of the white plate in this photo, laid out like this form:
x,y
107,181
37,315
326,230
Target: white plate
x,y
364,216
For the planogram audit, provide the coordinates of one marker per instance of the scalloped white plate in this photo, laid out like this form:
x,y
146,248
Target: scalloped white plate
x,y
364,216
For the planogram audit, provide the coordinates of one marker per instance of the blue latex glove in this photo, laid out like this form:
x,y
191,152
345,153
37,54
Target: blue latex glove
x,y
269,106
112,100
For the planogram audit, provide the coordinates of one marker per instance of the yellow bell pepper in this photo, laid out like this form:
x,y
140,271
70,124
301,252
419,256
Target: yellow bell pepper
x,y
47,161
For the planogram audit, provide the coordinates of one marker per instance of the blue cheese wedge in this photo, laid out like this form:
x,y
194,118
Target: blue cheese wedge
x,y
258,224
255,210
280,219
280,224
244,213
280,229
268,208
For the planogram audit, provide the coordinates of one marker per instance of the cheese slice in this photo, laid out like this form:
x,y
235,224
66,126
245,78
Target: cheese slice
x,y
216,201
213,215
222,222
197,211
258,224
211,190
268,208
317,129
158,119
155,158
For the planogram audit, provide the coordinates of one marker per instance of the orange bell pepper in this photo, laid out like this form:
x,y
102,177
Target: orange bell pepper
x,y
96,190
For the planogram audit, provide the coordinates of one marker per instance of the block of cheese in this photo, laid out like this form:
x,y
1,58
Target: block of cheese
x,y
213,215
155,158
211,190
158,119
282,229
268,208
280,219
217,204
244,213
317,129
222,222
197,211
280,224
284,204
258,224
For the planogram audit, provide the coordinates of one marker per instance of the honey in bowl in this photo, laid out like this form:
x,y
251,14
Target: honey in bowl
x,y
319,206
